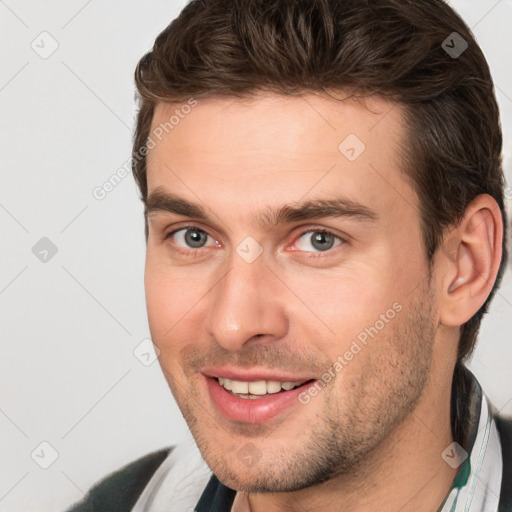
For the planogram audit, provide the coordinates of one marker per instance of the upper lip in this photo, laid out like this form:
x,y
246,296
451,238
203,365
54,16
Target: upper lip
x,y
252,375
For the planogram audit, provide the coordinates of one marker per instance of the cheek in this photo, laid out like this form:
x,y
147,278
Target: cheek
x,y
172,296
171,306
343,303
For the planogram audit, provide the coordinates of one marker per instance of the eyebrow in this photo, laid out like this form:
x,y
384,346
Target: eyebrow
x,y
161,201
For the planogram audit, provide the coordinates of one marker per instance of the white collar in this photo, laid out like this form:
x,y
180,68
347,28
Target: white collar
x,y
481,491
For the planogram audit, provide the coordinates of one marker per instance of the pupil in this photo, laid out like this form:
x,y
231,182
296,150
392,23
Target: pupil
x,y
322,241
195,238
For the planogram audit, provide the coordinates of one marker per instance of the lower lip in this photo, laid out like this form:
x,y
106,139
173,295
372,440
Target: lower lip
x,y
252,410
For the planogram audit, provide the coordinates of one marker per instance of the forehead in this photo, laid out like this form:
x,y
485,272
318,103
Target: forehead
x,y
310,121
279,147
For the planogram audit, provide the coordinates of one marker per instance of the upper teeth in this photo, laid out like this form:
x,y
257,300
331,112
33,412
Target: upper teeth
x,y
260,387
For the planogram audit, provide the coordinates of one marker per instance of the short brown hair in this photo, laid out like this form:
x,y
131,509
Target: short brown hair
x,y
396,48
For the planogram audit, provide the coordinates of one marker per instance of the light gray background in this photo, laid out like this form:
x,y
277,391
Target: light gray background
x,y
70,325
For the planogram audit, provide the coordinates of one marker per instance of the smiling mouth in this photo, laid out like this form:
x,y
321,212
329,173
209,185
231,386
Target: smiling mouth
x,y
257,389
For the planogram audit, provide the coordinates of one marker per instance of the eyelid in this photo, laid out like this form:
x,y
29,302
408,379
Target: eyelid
x,y
185,226
165,224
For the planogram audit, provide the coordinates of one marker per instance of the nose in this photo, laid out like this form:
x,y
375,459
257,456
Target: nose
x,y
246,306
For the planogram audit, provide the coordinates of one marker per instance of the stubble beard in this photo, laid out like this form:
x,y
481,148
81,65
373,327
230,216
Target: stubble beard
x,y
352,422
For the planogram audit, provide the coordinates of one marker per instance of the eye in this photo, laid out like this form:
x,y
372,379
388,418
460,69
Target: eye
x,y
317,241
191,238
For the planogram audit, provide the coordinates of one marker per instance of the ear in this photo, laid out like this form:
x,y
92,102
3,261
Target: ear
x,y
470,258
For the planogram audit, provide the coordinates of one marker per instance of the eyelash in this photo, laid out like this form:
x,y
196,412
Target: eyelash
x,y
308,254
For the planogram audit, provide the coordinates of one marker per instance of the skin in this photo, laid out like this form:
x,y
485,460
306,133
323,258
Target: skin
x,y
372,438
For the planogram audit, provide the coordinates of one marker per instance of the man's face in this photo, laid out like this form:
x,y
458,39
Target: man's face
x,y
302,262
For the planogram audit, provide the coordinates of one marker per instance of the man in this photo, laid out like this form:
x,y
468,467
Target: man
x,y
325,230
